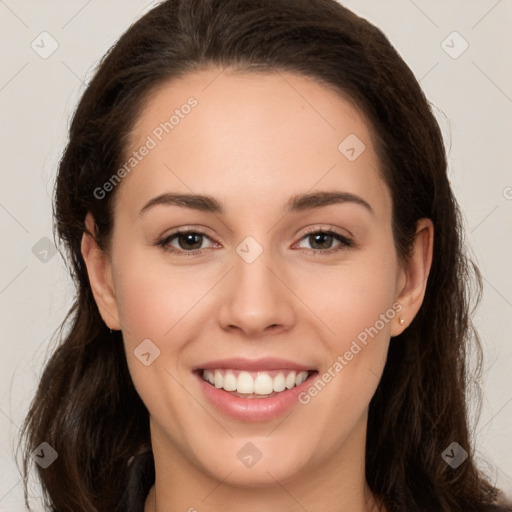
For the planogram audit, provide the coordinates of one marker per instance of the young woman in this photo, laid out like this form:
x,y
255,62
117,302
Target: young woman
x,y
272,297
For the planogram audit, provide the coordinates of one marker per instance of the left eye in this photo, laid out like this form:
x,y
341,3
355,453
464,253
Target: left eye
x,y
323,240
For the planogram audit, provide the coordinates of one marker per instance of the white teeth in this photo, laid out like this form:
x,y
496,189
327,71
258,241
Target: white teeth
x,y
301,377
218,379
263,384
279,382
230,382
290,380
245,383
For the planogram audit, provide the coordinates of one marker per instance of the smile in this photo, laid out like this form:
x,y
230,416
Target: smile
x,y
255,384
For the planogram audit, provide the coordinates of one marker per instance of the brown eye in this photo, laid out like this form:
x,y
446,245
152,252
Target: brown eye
x,y
321,241
189,240
325,241
184,242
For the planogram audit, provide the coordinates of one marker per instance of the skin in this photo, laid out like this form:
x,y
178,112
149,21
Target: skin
x,y
252,142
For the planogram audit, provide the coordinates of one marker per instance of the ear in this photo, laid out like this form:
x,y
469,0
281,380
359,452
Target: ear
x,y
414,274
99,269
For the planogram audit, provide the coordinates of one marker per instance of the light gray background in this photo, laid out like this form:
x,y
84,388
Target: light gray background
x,y
473,99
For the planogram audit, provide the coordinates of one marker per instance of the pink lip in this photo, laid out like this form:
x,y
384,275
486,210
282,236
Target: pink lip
x,y
253,409
252,365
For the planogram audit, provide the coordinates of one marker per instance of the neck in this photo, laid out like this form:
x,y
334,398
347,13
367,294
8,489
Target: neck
x,y
331,482
369,504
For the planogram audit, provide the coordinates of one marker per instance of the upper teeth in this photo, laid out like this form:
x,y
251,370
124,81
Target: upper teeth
x,y
262,383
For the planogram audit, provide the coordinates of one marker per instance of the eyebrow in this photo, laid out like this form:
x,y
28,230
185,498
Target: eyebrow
x,y
298,203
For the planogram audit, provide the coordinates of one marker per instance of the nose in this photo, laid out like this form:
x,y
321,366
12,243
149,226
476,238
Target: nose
x,y
257,299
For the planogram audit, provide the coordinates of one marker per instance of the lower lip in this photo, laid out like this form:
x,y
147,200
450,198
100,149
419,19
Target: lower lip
x,y
253,409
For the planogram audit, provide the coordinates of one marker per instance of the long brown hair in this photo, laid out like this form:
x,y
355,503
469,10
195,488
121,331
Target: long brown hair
x,y
86,406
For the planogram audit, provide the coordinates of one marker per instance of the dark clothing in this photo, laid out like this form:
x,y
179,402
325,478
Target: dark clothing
x,y
142,477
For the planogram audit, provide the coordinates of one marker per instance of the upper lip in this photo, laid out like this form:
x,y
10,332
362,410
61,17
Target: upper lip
x,y
252,365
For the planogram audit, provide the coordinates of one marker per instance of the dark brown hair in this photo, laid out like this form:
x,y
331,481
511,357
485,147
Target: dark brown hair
x,y
86,406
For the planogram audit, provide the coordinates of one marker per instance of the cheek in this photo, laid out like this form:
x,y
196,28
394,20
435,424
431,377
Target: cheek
x,y
153,297
354,297
155,302
159,302
358,349
357,304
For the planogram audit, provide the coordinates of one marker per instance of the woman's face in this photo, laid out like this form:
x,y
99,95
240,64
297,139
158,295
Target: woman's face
x,y
290,266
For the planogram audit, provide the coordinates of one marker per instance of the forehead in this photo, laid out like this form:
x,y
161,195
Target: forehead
x,y
252,135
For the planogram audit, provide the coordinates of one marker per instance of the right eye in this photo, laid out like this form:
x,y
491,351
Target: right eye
x,y
185,242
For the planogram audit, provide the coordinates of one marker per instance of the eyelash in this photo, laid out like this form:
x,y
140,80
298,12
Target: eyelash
x,y
345,242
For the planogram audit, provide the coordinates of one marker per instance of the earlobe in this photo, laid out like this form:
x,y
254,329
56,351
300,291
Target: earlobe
x,y
413,282
99,270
